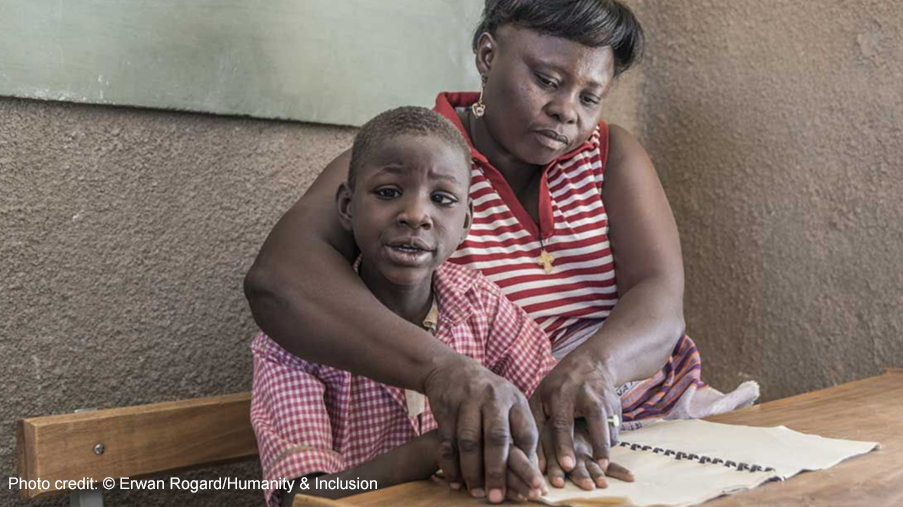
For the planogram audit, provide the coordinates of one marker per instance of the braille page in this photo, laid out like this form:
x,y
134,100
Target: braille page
x,y
663,479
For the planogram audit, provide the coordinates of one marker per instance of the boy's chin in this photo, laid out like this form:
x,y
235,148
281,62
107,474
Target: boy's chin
x,y
407,277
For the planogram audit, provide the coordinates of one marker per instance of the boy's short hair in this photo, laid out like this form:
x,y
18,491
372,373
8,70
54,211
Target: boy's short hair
x,y
405,120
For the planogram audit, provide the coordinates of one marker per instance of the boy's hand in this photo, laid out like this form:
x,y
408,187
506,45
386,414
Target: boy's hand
x,y
524,479
587,472
480,415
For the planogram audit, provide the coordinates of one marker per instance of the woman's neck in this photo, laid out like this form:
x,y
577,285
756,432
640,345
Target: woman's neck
x,y
519,175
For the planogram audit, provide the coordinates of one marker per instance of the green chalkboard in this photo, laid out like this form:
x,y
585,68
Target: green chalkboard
x,y
325,61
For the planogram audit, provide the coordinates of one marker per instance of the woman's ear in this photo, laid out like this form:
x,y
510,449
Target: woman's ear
x,y
343,204
486,49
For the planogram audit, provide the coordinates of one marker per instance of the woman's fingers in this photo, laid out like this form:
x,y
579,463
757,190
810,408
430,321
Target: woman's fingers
x,y
496,443
596,473
448,453
555,474
524,433
470,448
561,423
545,439
598,428
479,415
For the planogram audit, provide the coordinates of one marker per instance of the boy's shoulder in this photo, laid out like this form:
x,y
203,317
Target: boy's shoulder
x,y
461,280
461,291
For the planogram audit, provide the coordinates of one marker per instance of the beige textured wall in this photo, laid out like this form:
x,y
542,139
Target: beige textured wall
x,y
125,237
125,233
776,128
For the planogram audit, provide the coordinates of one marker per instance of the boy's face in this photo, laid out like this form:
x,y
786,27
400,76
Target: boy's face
x,y
410,208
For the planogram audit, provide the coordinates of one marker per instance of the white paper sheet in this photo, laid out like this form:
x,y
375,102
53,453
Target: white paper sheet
x,y
664,480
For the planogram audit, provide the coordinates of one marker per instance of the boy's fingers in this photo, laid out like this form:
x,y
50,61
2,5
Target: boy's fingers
x,y
525,469
596,473
580,476
517,488
618,472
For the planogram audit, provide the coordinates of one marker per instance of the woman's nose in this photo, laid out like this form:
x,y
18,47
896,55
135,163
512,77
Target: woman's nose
x,y
415,213
563,108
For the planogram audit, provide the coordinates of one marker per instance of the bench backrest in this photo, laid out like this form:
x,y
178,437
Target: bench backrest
x,y
133,441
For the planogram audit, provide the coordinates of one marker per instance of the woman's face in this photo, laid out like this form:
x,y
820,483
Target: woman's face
x,y
543,94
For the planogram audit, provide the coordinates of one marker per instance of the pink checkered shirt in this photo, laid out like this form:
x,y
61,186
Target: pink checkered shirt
x,y
311,418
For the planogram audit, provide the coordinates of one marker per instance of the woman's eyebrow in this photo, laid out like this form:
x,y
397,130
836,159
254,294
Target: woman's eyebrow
x,y
548,65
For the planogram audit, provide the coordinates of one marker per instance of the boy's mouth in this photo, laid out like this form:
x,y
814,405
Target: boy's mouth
x,y
413,245
409,252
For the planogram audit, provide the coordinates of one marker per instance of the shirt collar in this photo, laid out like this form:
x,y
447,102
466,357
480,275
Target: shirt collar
x,y
431,321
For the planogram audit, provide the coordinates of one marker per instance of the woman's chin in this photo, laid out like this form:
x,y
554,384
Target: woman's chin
x,y
540,156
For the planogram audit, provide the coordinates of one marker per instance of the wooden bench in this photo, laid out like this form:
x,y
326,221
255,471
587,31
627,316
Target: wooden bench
x,y
131,442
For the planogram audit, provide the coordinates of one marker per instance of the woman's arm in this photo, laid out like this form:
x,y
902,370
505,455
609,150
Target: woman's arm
x,y
412,461
641,331
639,335
304,294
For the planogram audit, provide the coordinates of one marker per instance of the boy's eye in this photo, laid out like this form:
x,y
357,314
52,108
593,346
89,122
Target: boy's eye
x,y
443,199
387,193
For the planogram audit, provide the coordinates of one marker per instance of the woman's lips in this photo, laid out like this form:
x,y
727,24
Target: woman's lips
x,y
551,139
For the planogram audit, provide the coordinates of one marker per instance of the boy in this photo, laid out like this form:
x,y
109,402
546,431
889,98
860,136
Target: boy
x,y
406,200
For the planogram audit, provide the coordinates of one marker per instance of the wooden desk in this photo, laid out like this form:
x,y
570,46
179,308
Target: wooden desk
x,y
870,409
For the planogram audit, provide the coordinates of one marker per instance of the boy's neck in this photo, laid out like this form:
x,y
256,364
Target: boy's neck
x,y
412,303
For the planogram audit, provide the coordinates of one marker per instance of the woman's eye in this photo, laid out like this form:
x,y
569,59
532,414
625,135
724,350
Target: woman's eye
x,y
548,83
591,100
387,193
443,199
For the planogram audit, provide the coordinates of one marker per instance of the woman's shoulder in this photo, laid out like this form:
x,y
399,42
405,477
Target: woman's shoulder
x,y
623,148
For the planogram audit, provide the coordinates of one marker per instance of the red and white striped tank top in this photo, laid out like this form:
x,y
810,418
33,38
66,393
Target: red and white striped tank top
x,y
572,300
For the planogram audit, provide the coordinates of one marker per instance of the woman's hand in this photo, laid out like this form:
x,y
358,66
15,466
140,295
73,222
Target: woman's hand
x,y
587,473
480,416
578,386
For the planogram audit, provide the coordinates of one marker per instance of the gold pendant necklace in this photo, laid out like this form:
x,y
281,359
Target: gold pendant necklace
x,y
545,258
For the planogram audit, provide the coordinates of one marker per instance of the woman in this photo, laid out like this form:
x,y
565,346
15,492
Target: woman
x,y
562,204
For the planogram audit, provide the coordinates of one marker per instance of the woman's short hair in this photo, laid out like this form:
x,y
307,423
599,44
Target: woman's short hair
x,y
593,23
405,120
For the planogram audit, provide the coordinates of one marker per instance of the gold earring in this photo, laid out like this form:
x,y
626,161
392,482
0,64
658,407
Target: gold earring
x,y
479,108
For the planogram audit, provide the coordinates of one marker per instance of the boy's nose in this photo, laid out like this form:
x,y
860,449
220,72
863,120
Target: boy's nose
x,y
415,214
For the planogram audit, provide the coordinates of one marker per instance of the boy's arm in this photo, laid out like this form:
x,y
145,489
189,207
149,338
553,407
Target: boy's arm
x,y
412,461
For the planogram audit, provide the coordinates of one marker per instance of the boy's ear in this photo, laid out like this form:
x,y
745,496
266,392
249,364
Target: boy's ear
x,y
343,205
468,220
